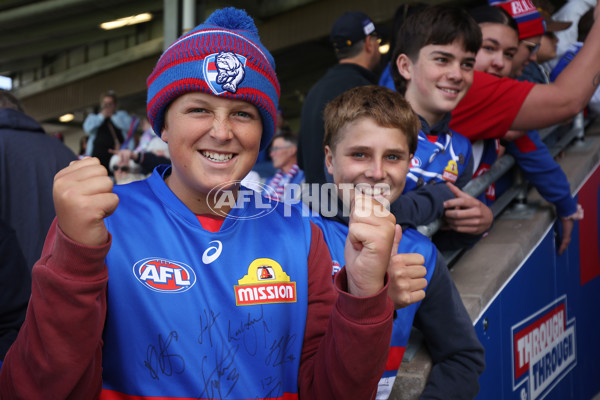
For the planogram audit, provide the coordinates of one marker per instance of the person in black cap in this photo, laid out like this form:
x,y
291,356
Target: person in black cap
x,y
356,45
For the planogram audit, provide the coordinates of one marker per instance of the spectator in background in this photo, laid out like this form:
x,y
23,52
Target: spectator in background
x,y
356,45
151,152
148,136
29,159
83,146
583,28
493,106
15,288
108,129
535,45
125,171
500,43
283,151
571,11
529,151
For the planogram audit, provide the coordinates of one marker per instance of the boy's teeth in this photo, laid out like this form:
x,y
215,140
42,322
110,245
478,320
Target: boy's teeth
x,y
370,191
453,91
219,157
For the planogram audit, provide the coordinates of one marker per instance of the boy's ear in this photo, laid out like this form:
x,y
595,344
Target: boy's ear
x,y
329,159
404,65
164,134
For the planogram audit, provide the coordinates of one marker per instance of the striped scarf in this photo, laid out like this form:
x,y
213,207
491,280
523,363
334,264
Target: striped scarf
x,y
276,187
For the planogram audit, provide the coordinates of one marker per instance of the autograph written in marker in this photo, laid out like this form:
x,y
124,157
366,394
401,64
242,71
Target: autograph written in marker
x,y
219,382
161,360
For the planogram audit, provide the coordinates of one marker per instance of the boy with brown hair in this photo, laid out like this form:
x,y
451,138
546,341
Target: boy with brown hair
x,y
370,137
434,59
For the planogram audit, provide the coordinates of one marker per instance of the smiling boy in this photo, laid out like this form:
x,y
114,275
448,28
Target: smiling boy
x,y
370,136
434,58
146,291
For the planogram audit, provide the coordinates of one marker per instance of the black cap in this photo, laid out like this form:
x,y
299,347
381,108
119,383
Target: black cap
x,y
350,28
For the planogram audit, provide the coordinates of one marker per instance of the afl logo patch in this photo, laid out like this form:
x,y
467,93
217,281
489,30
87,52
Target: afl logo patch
x,y
163,275
415,162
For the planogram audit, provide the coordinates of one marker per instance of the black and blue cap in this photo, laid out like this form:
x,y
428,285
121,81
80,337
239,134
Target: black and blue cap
x,y
350,28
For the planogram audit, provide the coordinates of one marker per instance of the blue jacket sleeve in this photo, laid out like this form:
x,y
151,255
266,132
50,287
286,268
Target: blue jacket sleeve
x,y
456,353
467,174
543,172
15,288
422,205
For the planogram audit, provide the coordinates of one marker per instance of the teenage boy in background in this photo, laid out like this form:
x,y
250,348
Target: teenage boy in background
x,y
434,58
200,303
370,136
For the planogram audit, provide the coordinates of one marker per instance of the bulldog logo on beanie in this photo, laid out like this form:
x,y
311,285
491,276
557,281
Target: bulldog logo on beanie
x,y
223,57
225,71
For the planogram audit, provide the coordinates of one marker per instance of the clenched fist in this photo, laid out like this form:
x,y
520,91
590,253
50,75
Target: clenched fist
x,y
83,197
368,245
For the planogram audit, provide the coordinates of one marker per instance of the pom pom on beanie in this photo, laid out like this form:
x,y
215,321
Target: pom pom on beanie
x,y
223,57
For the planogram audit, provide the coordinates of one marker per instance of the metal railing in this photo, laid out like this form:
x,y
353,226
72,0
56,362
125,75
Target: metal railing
x,y
557,138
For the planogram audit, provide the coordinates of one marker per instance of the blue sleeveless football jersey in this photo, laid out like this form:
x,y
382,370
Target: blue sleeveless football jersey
x,y
412,242
203,314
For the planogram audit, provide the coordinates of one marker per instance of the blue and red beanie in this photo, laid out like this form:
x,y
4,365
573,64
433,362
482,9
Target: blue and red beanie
x,y
530,21
223,57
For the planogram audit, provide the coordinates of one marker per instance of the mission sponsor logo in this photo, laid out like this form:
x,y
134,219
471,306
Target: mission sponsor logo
x,y
265,283
451,171
164,276
544,350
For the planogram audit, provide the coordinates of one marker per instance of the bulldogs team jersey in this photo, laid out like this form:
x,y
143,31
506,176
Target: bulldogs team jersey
x,y
412,242
444,159
203,315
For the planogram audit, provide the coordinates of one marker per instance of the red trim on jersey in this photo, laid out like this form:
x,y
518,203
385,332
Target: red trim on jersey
x,y
210,222
114,395
394,358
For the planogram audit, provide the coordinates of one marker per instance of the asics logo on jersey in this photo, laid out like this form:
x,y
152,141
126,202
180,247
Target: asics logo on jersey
x,y
163,275
212,253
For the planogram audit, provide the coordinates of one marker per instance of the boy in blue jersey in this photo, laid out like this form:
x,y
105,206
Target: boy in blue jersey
x,y
200,303
433,58
370,136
